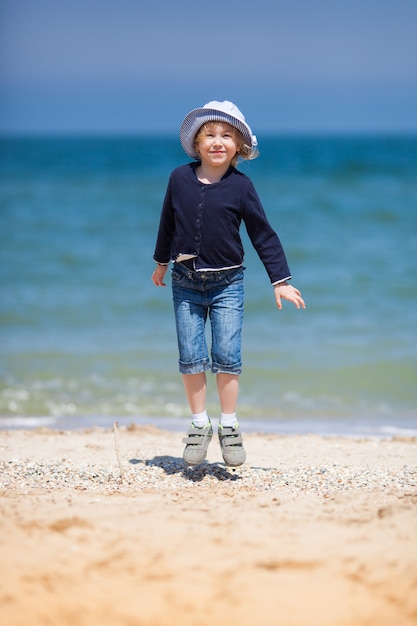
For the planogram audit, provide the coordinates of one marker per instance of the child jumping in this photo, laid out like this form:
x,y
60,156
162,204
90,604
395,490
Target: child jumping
x,y
205,203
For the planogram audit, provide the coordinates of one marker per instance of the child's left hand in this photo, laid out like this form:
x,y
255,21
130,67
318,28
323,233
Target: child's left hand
x,y
290,293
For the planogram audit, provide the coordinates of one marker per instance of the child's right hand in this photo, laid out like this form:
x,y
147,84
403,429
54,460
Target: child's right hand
x,y
158,275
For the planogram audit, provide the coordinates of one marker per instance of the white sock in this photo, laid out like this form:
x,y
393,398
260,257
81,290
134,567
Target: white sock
x,y
200,419
228,419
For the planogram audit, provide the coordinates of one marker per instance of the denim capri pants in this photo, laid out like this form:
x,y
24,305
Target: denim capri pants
x,y
217,295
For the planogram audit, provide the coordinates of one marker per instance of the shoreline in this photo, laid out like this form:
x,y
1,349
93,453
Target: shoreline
x,y
333,427
316,530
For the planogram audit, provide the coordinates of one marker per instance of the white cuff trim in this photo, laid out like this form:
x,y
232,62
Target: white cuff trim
x,y
278,282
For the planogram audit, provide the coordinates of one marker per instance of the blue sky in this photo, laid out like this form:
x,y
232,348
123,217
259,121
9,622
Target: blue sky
x,y
128,66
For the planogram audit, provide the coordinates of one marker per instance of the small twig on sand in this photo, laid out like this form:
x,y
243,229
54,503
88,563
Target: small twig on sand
x,y
116,443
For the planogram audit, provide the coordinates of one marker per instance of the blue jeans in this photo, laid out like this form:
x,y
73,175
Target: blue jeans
x,y
218,295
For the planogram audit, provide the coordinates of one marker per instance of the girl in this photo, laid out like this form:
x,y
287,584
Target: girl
x,y
204,205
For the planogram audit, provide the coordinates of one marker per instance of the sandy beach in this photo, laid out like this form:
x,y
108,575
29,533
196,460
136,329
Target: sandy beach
x,y
316,531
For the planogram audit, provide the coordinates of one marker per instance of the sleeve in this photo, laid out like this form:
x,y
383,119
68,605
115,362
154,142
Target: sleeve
x,y
263,237
166,230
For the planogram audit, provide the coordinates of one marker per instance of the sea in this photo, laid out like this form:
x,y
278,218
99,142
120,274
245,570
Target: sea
x,y
86,339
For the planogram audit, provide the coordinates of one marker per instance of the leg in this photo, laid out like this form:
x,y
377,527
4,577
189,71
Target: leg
x,y
190,316
228,390
226,315
229,431
198,436
190,321
195,386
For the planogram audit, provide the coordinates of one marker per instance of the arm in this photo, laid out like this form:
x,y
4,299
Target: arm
x,y
164,240
165,231
269,248
264,238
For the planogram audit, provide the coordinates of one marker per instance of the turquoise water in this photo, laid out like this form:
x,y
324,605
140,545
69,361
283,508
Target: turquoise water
x,y
86,337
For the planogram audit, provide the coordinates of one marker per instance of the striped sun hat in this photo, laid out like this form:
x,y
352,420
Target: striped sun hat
x,y
213,112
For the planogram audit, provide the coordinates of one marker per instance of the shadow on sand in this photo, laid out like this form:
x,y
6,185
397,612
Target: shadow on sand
x,y
175,465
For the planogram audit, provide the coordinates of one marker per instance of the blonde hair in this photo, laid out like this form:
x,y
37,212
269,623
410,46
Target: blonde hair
x,y
245,152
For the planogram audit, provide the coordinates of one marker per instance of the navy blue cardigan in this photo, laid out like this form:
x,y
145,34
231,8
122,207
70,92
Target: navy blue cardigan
x,y
204,221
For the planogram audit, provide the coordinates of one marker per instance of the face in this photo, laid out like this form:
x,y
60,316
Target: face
x,y
217,144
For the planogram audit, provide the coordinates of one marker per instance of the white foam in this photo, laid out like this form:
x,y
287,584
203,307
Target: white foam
x,y
327,427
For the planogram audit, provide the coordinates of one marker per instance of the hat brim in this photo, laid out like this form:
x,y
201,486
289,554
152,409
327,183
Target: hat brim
x,y
198,117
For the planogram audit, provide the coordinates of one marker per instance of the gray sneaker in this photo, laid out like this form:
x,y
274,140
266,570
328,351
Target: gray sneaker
x,y
231,445
197,441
